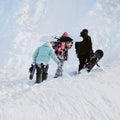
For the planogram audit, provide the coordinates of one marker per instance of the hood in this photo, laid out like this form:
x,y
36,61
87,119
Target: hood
x,y
47,44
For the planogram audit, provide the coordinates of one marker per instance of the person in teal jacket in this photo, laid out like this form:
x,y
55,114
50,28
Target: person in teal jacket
x,y
41,58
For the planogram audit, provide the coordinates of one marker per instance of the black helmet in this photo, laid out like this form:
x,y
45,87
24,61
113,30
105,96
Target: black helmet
x,y
84,33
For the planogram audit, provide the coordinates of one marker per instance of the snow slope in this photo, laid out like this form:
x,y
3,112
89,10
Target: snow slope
x,y
28,24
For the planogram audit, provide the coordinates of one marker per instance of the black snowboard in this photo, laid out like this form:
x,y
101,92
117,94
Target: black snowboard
x,y
32,71
94,60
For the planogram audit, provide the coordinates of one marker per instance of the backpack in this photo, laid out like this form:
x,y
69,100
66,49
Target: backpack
x,y
81,48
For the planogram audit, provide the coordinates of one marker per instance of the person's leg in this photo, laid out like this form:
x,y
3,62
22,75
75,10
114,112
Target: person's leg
x,y
87,58
82,61
59,70
39,74
45,72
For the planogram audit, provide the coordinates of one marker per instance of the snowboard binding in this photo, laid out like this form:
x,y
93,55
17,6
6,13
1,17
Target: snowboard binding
x,y
94,59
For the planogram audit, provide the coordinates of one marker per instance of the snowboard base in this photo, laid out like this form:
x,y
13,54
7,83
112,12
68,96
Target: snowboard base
x,y
94,60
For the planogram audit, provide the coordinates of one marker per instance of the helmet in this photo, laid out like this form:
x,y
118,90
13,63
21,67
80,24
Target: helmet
x,y
65,34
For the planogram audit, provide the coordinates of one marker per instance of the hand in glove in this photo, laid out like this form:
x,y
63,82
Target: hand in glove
x,y
91,52
92,56
31,68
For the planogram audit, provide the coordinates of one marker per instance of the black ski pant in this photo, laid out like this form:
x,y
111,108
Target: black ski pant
x,y
42,72
82,60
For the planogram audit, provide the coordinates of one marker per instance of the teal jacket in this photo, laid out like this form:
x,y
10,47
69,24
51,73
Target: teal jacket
x,y
43,54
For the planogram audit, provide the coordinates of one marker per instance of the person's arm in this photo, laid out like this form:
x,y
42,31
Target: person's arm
x,y
90,44
35,55
76,47
53,56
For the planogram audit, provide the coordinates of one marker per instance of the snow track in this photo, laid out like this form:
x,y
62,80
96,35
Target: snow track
x,y
84,96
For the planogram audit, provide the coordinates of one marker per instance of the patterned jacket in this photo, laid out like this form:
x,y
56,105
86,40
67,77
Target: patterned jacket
x,y
61,48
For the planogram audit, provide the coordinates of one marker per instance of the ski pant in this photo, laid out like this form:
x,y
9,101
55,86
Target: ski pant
x,y
82,60
59,70
42,72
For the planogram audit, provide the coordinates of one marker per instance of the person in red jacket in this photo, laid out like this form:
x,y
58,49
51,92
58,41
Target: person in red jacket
x,y
64,43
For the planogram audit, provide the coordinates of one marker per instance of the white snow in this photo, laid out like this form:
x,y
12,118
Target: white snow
x,y
26,24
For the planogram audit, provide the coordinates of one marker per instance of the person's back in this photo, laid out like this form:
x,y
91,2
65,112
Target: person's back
x,y
83,49
41,58
85,46
43,54
64,44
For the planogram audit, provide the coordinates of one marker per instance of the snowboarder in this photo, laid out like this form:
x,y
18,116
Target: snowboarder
x,y
84,49
63,44
41,59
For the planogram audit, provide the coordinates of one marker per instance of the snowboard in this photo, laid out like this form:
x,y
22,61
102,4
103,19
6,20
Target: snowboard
x,y
95,58
32,71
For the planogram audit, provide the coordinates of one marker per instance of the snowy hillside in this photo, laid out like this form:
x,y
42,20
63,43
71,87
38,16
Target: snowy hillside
x,y
26,24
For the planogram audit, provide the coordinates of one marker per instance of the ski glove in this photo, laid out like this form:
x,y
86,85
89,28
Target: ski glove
x,y
31,68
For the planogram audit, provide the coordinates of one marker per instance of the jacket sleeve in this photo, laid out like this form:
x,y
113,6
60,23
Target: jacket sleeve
x,y
76,47
53,56
35,54
90,44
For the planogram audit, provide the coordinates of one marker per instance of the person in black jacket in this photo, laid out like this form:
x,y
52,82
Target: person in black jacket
x,y
83,49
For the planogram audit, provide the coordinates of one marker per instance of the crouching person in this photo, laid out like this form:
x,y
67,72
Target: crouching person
x,y
41,58
64,43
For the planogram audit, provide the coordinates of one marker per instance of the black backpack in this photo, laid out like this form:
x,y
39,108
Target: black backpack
x,y
81,48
